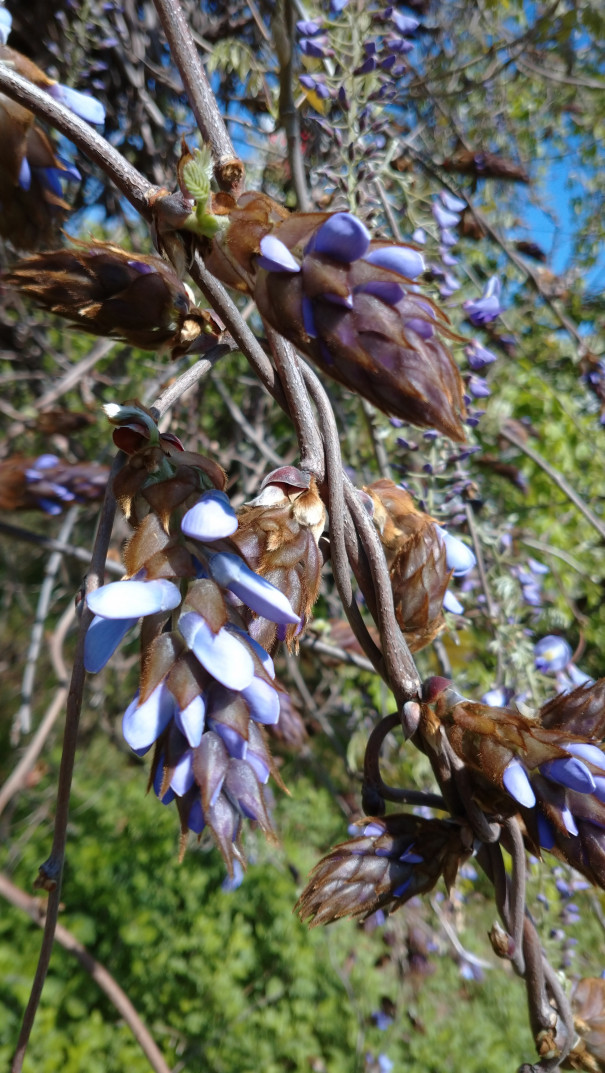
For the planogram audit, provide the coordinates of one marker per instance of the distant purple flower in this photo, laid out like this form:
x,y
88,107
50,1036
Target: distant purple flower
x,y
404,23
487,308
308,27
444,219
447,237
6,22
552,654
315,47
82,104
458,556
478,387
453,204
478,356
419,236
497,698
336,6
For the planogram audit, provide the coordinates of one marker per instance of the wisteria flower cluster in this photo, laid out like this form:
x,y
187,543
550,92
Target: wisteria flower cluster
x,y
207,687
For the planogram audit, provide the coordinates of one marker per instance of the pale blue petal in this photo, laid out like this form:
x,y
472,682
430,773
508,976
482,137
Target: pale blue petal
x,y
132,599
263,701
253,590
211,518
83,105
517,784
102,638
458,556
402,259
222,655
190,721
143,723
588,752
452,604
342,237
569,772
275,256
183,777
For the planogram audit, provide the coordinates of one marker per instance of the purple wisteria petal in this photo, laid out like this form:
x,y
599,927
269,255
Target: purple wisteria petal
x,y
190,721
102,638
487,308
83,105
419,236
478,356
263,656
253,590
258,766
479,387
6,22
237,746
421,327
263,701
452,604
196,821
444,218
569,772
568,820
517,784
308,27
454,204
404,23
458,556
133,599
183,777
343,237
537,567
158,779
275,256
552,654
388,292
142,724
402,259
308,317
211,518
447,237
25,174
578,677
586,751
221,654
546,833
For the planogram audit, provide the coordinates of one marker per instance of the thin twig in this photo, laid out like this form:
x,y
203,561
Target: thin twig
x,y
166,400
284,33
96,970
18,777
380,453
556,477
22,722
240,419
51,872
472,528
83,556
228,169
301,413
75,373
335,653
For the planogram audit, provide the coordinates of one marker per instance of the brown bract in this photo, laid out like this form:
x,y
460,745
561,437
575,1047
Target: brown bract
x,y
416,558
105,290
371,871
588,1006
278,537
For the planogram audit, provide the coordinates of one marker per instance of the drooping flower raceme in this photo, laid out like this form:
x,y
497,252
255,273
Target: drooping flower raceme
x,y
207,687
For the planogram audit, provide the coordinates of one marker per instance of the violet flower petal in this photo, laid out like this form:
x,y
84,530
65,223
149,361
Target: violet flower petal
x,y
190,721
253,590
196,821
342,237
552,654
263,701
221,654
570,772
452,604
546,833
275,256
458,556
183,777
81,104
517,784
142,724
102,638
588,752
445,219
211,518
402,259
454,204
133,599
